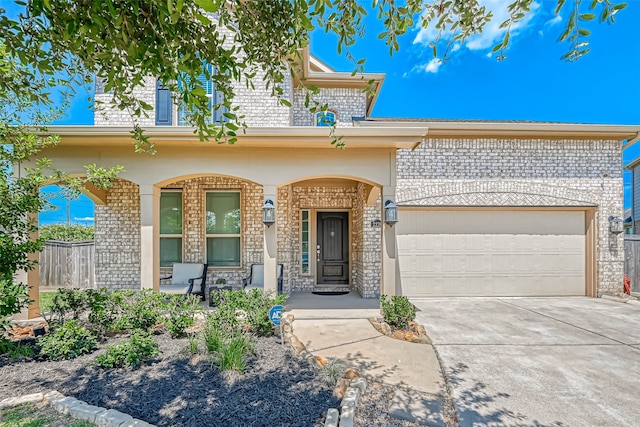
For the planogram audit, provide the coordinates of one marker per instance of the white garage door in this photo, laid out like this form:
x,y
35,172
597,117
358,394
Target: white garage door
x,y
491,252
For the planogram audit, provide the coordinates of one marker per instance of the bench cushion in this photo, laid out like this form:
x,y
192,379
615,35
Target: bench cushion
x,y
182,272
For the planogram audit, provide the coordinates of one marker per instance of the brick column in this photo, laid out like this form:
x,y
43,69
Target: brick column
x,y
270,244
149,237
389,258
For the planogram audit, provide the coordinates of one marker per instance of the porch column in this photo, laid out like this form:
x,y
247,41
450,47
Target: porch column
x,y
149,240
270,243
32,279
389,260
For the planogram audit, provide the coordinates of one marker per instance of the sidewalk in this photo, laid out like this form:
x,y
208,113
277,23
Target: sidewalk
x,y
337,327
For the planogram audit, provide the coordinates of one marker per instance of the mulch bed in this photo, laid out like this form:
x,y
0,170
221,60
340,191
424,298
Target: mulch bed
x,y
176,389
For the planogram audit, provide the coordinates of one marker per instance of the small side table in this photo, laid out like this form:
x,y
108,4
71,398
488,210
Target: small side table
x,y
213,289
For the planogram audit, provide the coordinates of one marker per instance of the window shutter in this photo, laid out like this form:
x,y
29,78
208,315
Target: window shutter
x,y
163,105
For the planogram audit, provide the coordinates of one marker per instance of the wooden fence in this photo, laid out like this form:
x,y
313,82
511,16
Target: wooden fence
x,y
632,260
68,265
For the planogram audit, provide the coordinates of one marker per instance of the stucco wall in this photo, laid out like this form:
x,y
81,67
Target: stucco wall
x,y
533,173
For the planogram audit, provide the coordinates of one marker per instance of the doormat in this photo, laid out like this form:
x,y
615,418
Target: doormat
x,y
330,293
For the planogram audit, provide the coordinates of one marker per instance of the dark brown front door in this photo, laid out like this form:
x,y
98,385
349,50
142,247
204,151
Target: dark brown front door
x,y
332,250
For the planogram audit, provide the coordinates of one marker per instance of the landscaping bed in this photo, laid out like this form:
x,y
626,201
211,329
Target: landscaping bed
x,y
177,389
163,361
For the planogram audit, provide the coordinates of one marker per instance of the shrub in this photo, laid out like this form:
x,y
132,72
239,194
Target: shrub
x,y
68,341
13,298
238,308
126,310
181,314
68,233
137,349
138,310
397,311
68,302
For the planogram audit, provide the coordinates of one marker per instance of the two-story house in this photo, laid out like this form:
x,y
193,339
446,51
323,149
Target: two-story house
x,y
484,208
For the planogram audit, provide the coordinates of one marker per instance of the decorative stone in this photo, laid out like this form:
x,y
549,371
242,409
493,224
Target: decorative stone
x,y
332,419
15,401
350,373
341,388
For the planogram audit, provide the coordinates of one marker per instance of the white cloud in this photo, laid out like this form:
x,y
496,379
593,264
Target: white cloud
x,y
431,67
86,218
492,32
553,21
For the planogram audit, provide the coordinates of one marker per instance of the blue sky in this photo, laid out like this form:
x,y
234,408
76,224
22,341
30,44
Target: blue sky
x,y
533,83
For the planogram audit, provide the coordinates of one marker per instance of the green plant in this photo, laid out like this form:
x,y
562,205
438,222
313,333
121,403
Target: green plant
x,y
232,355
68,302
37,415
181,314
69,233
13,298
334,369
194,345
221,281
67,341
397,311
137,349
253,306
19,351
212,334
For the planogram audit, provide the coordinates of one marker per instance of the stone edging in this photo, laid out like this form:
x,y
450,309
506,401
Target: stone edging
x,y
351,389
77,409
631,300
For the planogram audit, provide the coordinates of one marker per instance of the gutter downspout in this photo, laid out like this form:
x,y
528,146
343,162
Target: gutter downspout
x,y
632,141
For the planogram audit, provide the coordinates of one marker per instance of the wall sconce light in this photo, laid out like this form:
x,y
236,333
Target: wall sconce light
x,y
616,225
390,213
268,213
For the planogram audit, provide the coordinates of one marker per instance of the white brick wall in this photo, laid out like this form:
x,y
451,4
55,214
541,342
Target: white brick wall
x,y
534,173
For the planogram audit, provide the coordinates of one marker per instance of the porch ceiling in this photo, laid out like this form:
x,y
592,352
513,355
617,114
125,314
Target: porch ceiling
x,y
263,137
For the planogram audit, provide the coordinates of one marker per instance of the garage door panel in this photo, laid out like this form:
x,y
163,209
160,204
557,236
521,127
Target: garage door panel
x,y
538,260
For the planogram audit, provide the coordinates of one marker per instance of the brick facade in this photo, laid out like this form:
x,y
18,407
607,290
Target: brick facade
x,y
193,227
117,238
522,173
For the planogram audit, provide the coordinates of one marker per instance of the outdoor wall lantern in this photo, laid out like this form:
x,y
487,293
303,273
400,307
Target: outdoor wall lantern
x,y
268,213
616,225
390,213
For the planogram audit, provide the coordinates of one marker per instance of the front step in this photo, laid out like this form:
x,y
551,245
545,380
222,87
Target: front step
x,y
331,288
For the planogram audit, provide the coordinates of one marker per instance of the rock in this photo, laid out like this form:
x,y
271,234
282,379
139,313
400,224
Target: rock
x,y
341,388
399,335
350,373
321,361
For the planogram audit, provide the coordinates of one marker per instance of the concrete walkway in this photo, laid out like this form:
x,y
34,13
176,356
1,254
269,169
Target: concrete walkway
x,y
337,327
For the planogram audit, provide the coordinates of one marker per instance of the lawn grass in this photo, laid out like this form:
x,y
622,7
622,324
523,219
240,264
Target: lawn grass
x,y
38,415
46,301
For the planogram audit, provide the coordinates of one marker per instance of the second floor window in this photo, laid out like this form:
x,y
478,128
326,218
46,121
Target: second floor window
x,y
215,98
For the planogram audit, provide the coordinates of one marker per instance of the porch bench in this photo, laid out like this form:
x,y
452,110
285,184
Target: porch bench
x,y
186,279
255,280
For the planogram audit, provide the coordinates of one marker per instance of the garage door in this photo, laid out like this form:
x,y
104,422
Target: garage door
x,y
491,253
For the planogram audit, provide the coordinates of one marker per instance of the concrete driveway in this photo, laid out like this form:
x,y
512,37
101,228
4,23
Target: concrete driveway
x,y
538,361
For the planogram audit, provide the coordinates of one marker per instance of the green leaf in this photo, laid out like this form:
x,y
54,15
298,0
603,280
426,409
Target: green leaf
x,y
587,16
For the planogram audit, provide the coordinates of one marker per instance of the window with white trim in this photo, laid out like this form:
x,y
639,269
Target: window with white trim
x,y
222,228
170,227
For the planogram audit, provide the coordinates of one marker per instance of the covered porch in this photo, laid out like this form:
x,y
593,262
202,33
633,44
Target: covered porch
x,y
329,231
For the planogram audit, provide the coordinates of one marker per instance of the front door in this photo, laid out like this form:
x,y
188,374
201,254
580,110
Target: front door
x,y
332,250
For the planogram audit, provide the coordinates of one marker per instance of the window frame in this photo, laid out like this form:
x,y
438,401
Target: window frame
x,y
215,97
317,115
172,235
308,252
207,236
